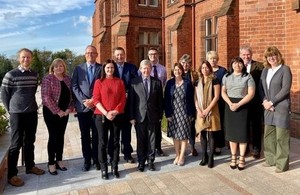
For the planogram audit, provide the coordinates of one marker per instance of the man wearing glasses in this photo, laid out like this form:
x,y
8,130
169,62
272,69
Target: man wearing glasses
x,y
84,77
159,72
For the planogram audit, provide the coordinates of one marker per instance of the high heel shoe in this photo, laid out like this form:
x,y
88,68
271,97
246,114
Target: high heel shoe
x,y
52,172
204,159
175,162
60,168
241,165
233,161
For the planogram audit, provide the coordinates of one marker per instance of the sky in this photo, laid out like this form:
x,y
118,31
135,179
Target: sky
x,y
52,25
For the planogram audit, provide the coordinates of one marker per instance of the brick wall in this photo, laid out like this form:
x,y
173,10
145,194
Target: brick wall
x,y
267,23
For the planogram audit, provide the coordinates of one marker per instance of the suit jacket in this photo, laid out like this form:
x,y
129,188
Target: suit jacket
x,y
81,87
189,97
129,72
279,94
140,105
255,71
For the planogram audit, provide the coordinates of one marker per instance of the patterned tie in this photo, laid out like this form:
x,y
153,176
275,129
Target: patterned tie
x,y
90,74
146,87
155,72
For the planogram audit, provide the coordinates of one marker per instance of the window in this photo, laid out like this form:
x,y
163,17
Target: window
x,y
116,7
211,34
151,3
146,40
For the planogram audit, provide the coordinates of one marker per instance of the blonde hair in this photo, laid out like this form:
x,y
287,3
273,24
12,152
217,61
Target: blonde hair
x,y
272,51
186,57
212,54
54,63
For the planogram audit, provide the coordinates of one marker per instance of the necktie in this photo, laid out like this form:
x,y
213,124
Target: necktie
x,y
155,72
120,70
90,74
146,87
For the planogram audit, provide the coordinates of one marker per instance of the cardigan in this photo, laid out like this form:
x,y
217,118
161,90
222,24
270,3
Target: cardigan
x,y
279,94
189,97
110,92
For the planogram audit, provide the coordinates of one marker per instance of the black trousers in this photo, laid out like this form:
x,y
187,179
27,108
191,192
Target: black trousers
x,y
23,127
145,133
158,136
219,136
107,128
56,128
125,130
193,134
255,125
89,136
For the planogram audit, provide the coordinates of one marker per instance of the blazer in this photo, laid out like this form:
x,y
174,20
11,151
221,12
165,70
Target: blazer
x,y
140,105
130,71
255,71
51,90
81,87
279,94
189,97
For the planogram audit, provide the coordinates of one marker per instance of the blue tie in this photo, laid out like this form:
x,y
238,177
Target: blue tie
x,y
90,74
146,87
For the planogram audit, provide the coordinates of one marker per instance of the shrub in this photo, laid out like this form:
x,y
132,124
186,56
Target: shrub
x,y
3,120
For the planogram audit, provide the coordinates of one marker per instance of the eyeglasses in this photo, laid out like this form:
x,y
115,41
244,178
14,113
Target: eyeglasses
x,y
90,53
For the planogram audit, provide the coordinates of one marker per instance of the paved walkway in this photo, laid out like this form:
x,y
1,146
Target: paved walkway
x,y
167,179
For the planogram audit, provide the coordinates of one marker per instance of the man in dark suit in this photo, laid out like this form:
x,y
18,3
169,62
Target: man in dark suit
x,y
83,80
255,105
126,72
145,111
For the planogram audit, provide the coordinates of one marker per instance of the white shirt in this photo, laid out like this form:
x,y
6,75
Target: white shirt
x,y
270,74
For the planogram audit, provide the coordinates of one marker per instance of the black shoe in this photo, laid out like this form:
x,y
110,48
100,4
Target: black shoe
x,y
141,167
104,175
256,153
194,152
97,165
86,167
115,173
60,168
217,151
159,152
151,167
204,159
53,172
129,159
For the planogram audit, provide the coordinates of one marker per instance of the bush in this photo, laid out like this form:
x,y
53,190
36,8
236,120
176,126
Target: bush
x,y
3,120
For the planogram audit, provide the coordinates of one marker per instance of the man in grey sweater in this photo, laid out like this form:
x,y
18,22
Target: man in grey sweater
x,y
18,95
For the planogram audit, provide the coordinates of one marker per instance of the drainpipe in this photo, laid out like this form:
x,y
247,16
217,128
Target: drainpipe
x,y
193,35
163,33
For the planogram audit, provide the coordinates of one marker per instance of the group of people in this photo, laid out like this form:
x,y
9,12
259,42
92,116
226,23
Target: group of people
x,y
112,98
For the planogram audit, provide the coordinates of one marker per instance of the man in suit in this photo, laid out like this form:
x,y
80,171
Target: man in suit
x,y
83,80
159,72
145,111
126,72
255,107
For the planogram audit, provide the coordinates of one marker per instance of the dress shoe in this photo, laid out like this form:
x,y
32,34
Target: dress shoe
x,y
53,171
194,152
35,170
151,167
129,159
104,175
15,181
278,170
86,167
265,164
256,154
97,165
63,168
241,165
115,173
233,164
141,167
159,152
217,151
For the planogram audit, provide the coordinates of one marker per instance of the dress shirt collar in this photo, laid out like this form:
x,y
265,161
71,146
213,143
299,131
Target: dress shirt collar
x,y
22,69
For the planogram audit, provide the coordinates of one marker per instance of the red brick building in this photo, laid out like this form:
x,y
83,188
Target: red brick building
x,y
197,26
